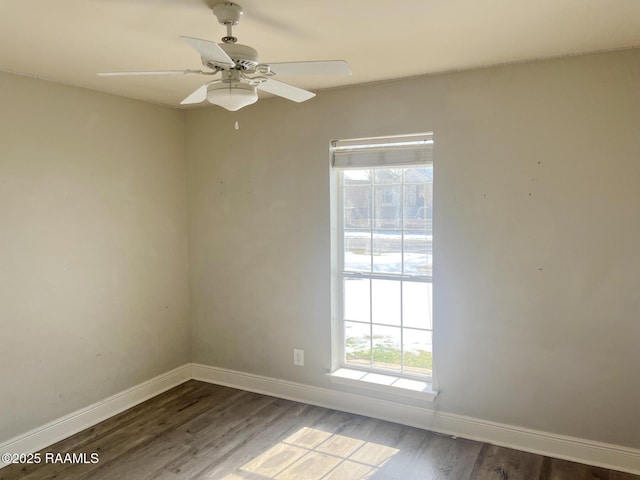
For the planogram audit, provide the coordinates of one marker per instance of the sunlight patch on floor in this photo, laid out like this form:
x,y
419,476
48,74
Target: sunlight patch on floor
x,y
313,454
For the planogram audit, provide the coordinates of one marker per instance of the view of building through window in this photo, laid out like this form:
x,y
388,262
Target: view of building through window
x,y
386,267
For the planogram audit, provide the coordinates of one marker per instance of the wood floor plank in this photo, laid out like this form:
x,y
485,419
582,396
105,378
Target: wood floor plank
x,y
75,442
284,419
556,469
320,444
199,431
614,475
499,463
138,463
212,446
441,457
136,431
142,430
401,457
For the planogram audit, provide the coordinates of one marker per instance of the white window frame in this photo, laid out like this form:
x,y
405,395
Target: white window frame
x,y
395,151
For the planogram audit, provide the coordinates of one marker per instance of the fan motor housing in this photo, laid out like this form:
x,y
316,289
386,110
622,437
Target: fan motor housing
x,y
245,57
228,13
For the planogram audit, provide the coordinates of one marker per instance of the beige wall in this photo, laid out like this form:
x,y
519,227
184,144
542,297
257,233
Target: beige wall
x,y
536,236
93,248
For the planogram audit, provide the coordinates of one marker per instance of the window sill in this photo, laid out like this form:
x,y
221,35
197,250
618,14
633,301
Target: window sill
x,y
384,383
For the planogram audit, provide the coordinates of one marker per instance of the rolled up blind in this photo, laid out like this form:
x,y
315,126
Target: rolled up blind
x,y
400,150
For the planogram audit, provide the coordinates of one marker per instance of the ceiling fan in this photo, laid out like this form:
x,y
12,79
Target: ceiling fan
x,y
241,73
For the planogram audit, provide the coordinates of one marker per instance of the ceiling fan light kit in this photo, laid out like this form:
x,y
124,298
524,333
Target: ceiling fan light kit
x,y
231,98
241,74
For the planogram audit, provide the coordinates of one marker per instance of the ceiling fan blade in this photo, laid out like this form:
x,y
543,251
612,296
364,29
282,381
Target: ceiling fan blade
x,y
285,90
209,50
199,96
151,72
327,67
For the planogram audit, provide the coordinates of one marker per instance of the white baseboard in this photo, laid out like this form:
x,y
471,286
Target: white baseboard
x,y
559,446
79,420
534,441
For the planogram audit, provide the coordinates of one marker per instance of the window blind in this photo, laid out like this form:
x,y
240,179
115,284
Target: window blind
x,y
400,150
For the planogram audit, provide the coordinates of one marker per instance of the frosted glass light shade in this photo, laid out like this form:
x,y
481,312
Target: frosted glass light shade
x,y
231,97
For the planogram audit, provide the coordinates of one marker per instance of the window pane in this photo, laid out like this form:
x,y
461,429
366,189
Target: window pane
x,y
357,207
357,220
418,258
387,236
386,301
419,175
356,299
386,347
386,220
357,176
357,343
423,174
387,175
417,352
387,207
357,251
416,210
416,304
387,252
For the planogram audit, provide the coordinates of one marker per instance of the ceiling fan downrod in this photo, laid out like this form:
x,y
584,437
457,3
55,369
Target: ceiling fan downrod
x,y
228,14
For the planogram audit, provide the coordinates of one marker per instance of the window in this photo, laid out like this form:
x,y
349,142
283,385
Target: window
x,y
382,209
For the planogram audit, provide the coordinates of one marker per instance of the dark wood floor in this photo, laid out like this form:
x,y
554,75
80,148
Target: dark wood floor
x,y
202,431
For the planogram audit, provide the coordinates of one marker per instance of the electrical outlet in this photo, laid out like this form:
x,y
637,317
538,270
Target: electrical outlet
x,y
298,357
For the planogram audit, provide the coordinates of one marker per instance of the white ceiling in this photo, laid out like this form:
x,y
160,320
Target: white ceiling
x,y
69,41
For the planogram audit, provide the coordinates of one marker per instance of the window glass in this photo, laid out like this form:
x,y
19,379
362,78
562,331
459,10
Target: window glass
x,y
385,267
